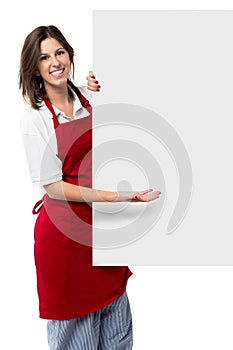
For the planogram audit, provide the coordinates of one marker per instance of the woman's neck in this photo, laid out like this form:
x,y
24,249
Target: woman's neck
x,y
58,95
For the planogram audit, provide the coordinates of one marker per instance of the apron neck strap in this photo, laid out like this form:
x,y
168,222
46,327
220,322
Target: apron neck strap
x,y
50,107
85,103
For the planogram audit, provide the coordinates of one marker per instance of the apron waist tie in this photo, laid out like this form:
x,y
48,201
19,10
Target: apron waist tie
x,y
37,207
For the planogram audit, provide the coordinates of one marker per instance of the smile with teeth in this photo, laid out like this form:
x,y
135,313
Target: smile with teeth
x,y
57,73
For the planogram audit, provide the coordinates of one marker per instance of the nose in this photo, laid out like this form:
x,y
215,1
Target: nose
x,y
54,61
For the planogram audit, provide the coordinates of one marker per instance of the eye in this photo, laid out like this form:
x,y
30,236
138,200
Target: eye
x,y
43,58
60,52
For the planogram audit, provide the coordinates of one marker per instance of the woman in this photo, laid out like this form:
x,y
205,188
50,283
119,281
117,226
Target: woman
x,y
86,306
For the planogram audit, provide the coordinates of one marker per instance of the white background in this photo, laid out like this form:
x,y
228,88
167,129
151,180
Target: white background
x,y
173,307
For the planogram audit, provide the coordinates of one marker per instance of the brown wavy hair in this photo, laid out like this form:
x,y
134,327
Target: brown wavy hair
x,y
32,85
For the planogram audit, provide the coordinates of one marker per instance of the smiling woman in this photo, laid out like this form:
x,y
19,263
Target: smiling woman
x,y
54,68
33,56
87,306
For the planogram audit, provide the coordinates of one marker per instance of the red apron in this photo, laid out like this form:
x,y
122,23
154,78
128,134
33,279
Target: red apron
x,y
68,285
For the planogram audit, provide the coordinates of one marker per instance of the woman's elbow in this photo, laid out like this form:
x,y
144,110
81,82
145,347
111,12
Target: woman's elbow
x,y
53,190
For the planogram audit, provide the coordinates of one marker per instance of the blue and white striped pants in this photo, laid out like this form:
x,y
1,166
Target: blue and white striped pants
x,y
109,328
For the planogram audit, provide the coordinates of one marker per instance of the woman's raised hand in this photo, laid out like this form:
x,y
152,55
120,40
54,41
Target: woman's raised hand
x,y
92,82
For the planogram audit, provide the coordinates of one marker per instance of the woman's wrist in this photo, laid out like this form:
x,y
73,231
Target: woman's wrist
x,y
123,196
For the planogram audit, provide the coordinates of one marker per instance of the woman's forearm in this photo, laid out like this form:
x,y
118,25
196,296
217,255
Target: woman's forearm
x,y
65,191
62,190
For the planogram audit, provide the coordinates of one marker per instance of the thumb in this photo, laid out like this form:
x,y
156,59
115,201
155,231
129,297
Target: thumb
x,y
91,73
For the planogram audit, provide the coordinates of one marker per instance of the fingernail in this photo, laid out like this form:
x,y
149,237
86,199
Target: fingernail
x,y
135,197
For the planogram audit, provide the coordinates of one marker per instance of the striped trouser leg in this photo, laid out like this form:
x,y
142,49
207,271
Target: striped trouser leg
x,y
116,326
74,334
109,328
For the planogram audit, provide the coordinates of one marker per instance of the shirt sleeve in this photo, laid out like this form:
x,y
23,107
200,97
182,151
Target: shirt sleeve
x,y
41,149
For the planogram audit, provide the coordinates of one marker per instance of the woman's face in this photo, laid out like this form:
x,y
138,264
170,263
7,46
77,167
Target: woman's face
x,y
53,63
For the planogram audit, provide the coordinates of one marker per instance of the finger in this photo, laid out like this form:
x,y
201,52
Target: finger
x,y
142,195
146,191
93,84
92,79
93,89
157,193
91,74
151,196
153,192
154,195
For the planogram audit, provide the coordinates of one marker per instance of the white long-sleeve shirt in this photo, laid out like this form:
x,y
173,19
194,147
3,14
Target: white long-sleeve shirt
x,y
40,141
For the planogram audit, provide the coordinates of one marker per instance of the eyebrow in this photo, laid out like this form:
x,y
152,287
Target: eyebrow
x,y
43,54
